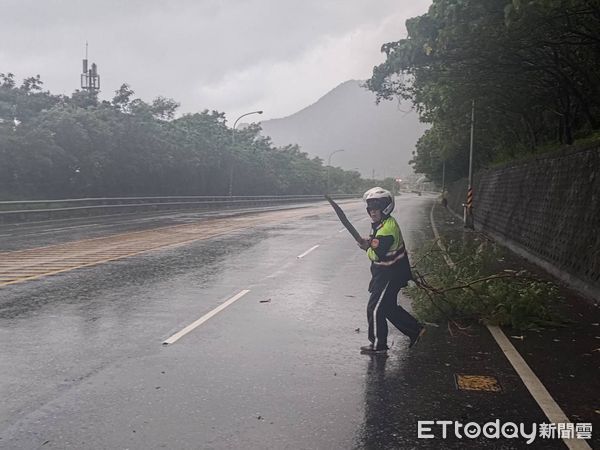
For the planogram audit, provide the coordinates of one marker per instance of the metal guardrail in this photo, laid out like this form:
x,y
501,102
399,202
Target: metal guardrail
x,y
24,211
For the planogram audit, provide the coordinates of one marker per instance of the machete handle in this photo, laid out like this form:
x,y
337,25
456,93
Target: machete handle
x,y
355,234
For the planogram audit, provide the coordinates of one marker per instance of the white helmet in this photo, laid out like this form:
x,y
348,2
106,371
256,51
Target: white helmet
x,y
381,199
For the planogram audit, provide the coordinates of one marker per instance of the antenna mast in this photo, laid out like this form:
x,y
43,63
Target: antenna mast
x,y
90,80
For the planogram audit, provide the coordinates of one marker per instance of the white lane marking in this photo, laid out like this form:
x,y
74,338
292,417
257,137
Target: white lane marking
x,y
74,226
338,231
533,384
307,252
440,244
52,230
204,318
538,391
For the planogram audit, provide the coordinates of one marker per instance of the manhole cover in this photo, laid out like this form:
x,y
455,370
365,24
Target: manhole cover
x,y
477,383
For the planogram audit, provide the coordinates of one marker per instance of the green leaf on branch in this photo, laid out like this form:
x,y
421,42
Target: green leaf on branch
x,y
478,290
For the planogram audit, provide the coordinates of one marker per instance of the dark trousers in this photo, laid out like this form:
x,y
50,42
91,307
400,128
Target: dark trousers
x,y
383,306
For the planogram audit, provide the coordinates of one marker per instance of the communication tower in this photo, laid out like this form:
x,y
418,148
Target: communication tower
x,y
90,80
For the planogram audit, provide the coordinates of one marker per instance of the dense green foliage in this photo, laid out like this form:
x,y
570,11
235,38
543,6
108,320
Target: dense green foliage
x,y
532,67
54,146
477,289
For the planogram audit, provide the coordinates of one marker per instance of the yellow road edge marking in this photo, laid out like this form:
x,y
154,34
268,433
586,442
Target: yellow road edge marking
x,y
26,256
181,225
35,277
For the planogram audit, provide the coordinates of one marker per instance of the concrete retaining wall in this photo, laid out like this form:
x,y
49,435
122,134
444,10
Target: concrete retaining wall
x,y
547,209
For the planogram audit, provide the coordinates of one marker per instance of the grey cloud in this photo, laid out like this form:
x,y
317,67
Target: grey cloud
x,y
172,47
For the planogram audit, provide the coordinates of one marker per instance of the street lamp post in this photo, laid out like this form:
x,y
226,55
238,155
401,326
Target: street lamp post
x,y
232,147
329,165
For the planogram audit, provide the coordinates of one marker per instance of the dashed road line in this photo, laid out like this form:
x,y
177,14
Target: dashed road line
x,y
307,252
174,338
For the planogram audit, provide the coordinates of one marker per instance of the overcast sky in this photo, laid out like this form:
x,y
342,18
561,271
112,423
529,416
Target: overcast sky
x,y
234,56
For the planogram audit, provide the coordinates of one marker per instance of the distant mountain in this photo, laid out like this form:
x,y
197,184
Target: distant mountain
x,y
377,138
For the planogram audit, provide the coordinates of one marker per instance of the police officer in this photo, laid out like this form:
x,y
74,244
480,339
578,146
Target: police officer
x,y
390,272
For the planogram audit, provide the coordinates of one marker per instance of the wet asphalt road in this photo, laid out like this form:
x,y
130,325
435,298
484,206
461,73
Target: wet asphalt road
x,y
83,365
19,236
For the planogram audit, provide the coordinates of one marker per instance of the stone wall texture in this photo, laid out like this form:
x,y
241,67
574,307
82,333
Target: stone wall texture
x,y
548,206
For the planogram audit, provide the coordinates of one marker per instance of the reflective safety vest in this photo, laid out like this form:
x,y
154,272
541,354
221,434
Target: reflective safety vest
x,y
387,227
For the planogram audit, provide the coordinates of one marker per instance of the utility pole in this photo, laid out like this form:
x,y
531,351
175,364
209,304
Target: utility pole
x,y
443,176
444,196
468,210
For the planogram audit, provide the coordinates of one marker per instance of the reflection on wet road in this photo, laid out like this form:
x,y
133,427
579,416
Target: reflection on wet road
x,y
83,365
25,265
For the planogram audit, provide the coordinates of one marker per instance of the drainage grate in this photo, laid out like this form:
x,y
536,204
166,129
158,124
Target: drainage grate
x,y
477,383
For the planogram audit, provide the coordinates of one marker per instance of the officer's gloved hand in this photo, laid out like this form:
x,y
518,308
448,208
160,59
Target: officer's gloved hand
x,y
364,244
